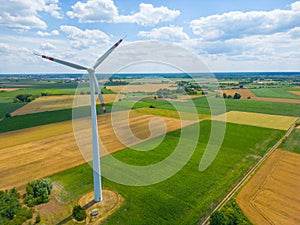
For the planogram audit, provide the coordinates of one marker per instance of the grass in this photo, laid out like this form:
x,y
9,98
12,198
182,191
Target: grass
x,y
292,143
6,108
188,195
274,93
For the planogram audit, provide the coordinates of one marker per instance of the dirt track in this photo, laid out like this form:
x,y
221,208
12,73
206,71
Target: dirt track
x,y
272,195
245,93
37,152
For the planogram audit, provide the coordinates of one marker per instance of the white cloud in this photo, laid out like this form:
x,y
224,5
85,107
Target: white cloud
x,y
94,11
238,24
25,14
84,39
106,11
45,34
149,15
171,33
47,46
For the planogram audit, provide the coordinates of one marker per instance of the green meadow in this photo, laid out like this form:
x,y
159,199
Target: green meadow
x,y
187,196
292,143
274,93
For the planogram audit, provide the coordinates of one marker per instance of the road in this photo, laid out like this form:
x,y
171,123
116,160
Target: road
x,y
247,176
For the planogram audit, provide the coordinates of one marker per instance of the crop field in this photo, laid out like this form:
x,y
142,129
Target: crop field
x,y
245,93
295,92
274,93
258,119
141,88
272,195
195,193
292,144
51,103
8,89
171,113
42,151
286,96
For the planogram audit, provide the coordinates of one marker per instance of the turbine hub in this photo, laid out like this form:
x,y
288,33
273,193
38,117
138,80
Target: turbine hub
x,y
91,70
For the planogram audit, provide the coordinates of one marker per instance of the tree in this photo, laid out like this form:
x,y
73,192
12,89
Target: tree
x,y
79,213
38,218
237,96
38,192
217,218
23,98
224,95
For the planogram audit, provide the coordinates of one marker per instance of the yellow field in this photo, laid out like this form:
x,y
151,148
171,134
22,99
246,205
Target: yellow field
x,y
9,89
50,103
172,114
258,119
141,88
272,195
41,151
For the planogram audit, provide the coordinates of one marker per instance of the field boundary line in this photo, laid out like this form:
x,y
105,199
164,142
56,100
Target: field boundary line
x,y
248,175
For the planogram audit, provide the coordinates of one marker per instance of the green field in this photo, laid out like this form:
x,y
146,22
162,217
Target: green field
x,y
292,143
185,197
274,93
35,89
201,104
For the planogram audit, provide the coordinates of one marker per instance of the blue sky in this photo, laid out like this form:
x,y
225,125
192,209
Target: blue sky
x,y
227,35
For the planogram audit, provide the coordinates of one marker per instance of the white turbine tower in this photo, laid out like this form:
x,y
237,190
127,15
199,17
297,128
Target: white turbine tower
x,y
93,84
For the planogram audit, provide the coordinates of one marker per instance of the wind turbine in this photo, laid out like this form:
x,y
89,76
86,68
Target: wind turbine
x,y
95,141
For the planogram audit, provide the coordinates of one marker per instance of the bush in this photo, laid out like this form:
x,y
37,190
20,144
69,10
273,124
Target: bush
x,y
78,213
217,218
11,211
38,192
38,218
23,98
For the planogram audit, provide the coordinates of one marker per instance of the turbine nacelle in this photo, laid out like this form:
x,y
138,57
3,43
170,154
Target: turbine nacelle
x,y
91,70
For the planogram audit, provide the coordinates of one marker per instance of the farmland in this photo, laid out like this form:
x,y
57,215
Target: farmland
x,y
141,88
265,94
43,138
48,146
258,119
59,102
274,93
272,196
191,199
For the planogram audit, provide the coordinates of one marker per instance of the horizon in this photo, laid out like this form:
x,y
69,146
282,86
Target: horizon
x,y
227,36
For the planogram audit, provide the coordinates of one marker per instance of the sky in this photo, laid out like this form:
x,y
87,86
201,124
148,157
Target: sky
x,y
226,35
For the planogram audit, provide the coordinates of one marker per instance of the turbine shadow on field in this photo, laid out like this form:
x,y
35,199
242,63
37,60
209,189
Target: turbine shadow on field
x,y
66,220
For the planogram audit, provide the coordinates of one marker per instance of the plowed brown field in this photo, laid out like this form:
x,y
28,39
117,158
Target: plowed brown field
x,y
295,92
272,195
245,93
38,152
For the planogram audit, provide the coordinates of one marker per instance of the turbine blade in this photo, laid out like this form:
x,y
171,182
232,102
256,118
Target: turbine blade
x,y
99,93
106,54
76,66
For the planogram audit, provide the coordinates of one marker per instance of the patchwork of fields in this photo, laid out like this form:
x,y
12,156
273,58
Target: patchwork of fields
x,y
47,147
253,126
267,96
52,103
